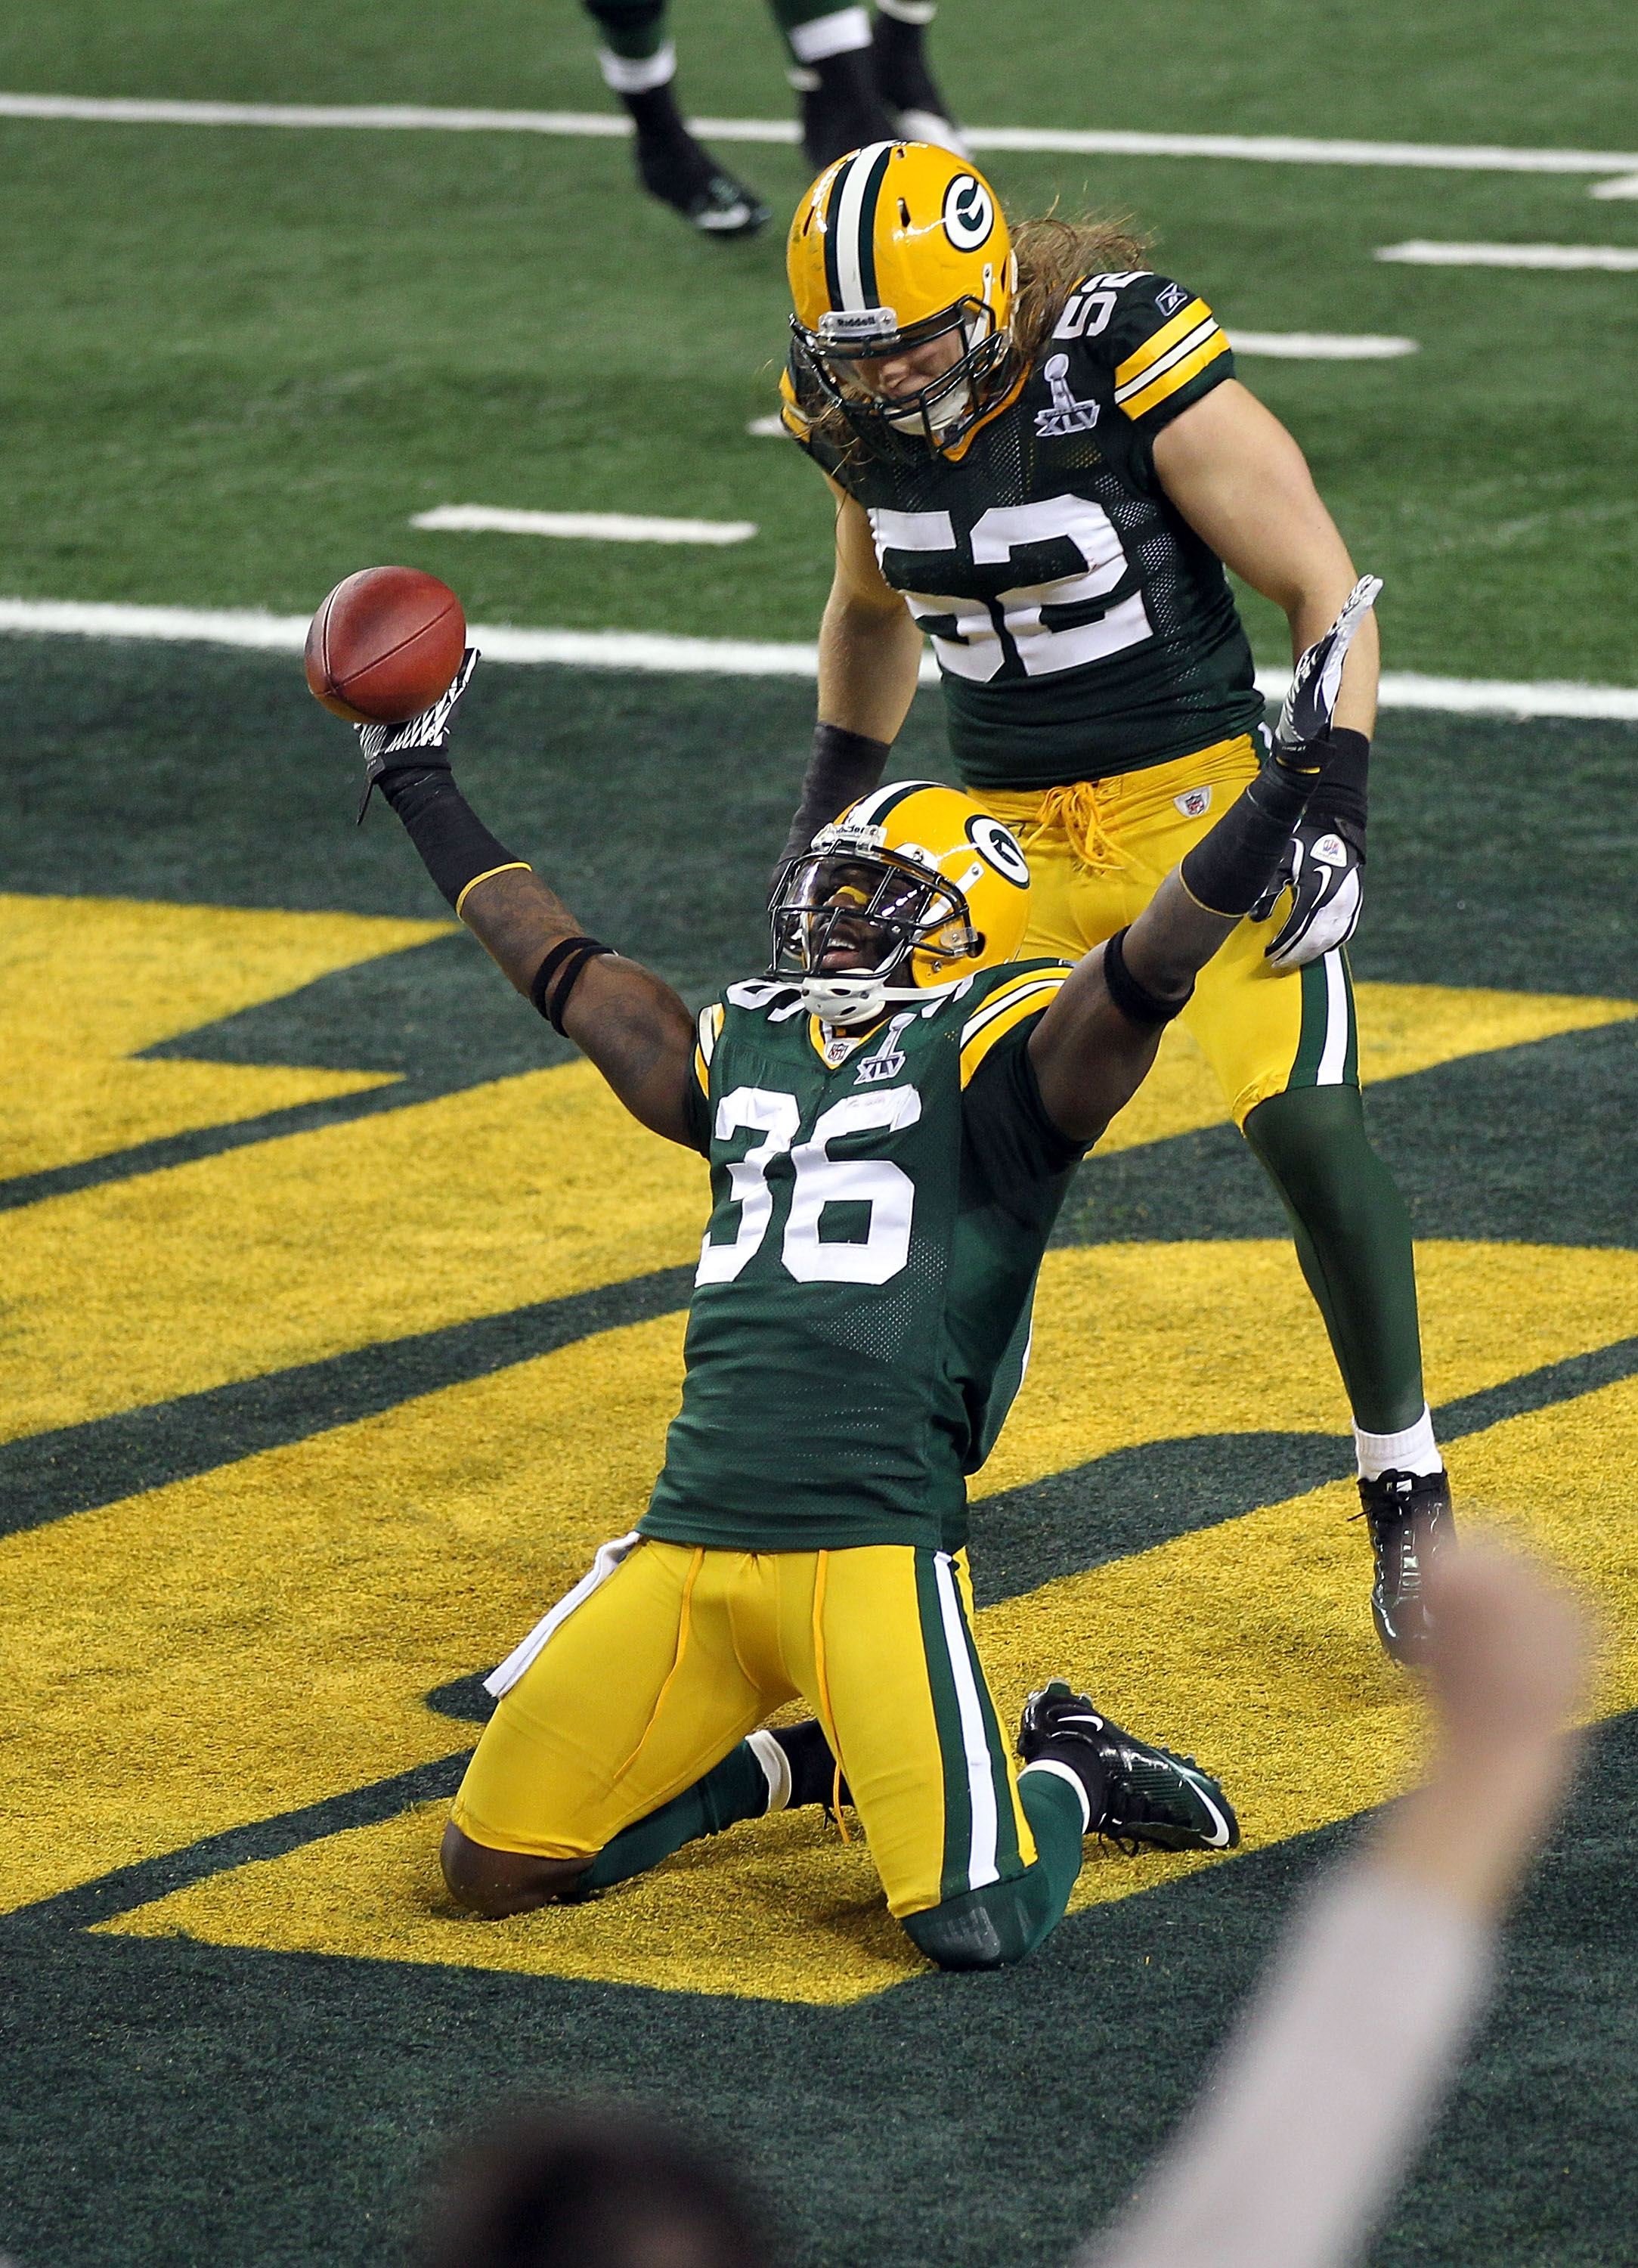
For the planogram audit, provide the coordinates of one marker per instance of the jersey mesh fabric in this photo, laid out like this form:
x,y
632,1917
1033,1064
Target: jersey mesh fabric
x,y
1096,634
820,1412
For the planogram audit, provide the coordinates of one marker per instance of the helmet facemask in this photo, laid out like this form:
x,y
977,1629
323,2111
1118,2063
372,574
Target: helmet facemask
x,y
940,413
878,909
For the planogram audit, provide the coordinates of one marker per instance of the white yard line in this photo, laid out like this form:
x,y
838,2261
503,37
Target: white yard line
x,y
1420,254
598,526
1317,346
1267,148
1628,187
639,649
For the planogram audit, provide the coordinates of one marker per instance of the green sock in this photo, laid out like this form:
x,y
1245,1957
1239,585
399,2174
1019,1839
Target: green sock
x,y
1353,1237
733,1790
1051,1807
1005,1921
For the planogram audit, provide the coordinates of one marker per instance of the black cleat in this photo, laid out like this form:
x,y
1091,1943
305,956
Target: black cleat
x,y
814,1778
841,109
909,88
1137,1794
682,173
1411,1523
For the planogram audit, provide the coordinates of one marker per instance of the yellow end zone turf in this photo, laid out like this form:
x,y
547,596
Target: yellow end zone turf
x,y
290,1250
1402,1028
257,1639
88,982
1245,1641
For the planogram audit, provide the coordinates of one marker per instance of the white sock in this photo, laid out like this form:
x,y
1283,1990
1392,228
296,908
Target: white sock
x,y
839,33
1413,1451
638,74
775,1768
1062,1771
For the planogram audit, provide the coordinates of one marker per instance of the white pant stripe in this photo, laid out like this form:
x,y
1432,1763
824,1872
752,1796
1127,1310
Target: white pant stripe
x,y
1333,1054
608,1558
981,1866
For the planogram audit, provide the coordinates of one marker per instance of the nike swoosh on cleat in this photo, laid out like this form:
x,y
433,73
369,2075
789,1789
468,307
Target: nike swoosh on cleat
x,y
1220,1840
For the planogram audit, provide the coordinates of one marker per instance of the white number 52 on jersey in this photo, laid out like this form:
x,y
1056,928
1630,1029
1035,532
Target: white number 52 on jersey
x,y
972,637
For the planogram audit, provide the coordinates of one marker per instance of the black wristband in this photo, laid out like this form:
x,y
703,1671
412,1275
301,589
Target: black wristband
x,y
1137,1003
558,975
453,842
1340,800
843,766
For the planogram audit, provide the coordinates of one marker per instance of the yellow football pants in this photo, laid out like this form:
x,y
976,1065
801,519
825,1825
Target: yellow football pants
x,y
1099,849
680,1653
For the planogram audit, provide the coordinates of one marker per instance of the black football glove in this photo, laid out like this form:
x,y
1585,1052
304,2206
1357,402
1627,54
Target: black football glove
x,y
417,745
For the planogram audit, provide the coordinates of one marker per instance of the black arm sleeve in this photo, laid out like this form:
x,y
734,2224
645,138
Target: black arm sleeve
x,y
1229,870
843,767
453,842
1009,1138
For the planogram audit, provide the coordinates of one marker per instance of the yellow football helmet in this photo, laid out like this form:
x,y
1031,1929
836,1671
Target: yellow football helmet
x,y
914,882
896,246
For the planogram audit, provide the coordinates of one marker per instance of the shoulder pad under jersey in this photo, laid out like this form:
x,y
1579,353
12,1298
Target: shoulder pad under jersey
x,y
1164,346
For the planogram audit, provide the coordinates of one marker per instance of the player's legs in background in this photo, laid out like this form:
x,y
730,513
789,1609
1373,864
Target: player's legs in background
x,y
977,1861
833,71
639,65
1284,1049
634,1700
904,76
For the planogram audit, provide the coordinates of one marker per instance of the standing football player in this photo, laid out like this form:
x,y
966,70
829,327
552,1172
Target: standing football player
x,y
858,76
1042,460
892,1116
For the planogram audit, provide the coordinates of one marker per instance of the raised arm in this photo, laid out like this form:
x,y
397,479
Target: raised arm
x,y
635,1029
1091,1049
1241,481
869,652
1334,2072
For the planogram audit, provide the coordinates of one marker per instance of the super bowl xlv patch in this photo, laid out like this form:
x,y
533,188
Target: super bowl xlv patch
x,y
1067,415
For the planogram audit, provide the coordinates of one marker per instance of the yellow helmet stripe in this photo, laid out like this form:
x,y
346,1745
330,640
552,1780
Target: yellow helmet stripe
x,y
850,230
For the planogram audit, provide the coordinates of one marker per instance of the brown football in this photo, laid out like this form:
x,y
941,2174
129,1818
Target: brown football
x,y
385,644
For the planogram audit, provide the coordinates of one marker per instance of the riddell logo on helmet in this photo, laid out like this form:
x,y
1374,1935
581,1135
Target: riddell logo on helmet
x,y
969,214
856,323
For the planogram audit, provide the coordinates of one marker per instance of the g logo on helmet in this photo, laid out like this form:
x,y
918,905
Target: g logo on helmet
x,y
969,214
998,849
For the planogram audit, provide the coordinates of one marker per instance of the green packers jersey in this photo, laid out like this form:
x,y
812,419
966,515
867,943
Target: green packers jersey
x,y
860,1320
1082,627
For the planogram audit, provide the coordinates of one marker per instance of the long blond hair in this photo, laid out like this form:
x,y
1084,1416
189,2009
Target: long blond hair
x,y
1053,254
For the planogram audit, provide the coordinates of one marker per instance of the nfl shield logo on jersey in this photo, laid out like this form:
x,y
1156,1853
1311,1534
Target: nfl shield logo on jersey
x,y
1194,802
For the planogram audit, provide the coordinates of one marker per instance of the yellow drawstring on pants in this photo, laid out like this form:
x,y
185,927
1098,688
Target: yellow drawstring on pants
x,y
1078,809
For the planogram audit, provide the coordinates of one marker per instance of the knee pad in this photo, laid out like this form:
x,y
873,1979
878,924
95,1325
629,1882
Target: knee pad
x,y
985,1929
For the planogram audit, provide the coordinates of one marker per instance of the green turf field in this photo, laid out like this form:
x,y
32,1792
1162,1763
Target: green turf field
x,y
343,1315
240,360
